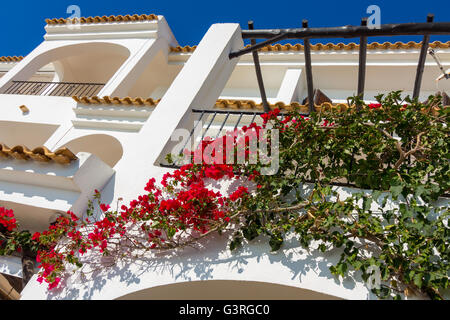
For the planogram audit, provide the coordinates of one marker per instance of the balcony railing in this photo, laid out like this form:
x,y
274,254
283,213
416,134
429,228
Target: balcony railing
x,y
60,89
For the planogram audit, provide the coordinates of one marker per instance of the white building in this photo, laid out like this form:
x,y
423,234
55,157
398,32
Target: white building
x,y
95,106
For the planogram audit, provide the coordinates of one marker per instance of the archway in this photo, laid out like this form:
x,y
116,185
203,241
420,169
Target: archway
x,y
226,290
106,147
90,62
82,63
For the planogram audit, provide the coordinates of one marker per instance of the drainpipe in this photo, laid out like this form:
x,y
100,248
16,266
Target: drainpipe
x,y
7,292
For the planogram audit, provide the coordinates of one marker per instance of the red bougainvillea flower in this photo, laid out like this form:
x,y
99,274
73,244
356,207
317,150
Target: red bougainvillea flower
x,y
239,193
54,284
180,204
7,219
374,105
104,207
270,115
404,107
36,236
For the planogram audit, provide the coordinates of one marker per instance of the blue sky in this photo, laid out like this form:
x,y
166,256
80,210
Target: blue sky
x,y
22,22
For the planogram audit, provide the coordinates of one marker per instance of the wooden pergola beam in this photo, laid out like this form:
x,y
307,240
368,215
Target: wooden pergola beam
x,y
422,58
399,29
258,72
362,61
308,69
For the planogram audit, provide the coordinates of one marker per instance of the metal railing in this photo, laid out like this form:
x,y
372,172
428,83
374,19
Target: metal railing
x,y
60,89
216,123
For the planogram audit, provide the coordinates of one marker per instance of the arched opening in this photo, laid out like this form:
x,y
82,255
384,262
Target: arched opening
x,y
78,69
91,62
226,290
106,147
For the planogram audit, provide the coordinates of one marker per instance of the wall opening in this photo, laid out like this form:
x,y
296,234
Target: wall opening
x,y
226,290
106,147
70,65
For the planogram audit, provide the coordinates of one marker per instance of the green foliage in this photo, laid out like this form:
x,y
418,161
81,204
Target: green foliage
x,y
16,241
397,151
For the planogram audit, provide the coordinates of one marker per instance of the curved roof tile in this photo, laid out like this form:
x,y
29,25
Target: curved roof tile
x,y
331,46
103,19
142,102
40,154
11,59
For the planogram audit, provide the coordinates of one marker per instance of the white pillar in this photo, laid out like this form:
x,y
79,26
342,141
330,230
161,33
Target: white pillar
x,y
290,86
198,85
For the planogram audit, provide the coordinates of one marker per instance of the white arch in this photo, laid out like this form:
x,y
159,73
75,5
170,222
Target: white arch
x,y
91,60
226,290
104,146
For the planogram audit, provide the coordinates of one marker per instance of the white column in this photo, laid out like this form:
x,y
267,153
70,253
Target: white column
x,y
290,86
198,85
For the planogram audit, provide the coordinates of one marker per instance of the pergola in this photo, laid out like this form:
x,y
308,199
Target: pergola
x,y
363,32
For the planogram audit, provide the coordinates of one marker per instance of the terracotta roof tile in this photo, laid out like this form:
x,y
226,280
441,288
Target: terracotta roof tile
x,y
11,59
250,104
140,102
40,154
331,46
233,104
103,19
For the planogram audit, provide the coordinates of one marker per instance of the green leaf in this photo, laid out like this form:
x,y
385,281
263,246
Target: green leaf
x,y
396,191
275,242
418,280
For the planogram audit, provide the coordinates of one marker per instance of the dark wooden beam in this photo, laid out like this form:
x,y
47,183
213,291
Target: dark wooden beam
x,y
362,61
422,58
396,29
258,72
308,69
257,46
275,35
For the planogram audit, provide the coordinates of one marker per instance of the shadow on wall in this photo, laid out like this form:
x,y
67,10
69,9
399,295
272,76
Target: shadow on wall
x,y
30,134
253,273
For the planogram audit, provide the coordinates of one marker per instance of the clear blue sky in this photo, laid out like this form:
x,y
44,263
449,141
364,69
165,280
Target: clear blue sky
x,y
22,22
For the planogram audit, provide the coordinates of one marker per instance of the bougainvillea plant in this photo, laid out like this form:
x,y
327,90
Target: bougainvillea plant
x,y
396,150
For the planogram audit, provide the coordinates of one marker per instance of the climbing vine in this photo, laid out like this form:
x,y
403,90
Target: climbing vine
x,y
393,155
